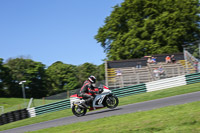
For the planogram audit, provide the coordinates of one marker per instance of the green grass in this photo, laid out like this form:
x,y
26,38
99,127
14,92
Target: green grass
x,y
123,101
160,94
172,119
11,104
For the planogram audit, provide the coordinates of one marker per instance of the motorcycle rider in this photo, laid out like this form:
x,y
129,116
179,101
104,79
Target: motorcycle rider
x,y
88,90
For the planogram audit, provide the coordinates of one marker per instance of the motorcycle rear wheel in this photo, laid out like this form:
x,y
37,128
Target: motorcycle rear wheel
x,y
78,111
112,102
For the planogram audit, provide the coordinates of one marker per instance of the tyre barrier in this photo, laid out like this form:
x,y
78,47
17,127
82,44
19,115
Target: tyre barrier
x,y
13,116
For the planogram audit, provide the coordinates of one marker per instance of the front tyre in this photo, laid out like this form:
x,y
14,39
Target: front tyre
x,y
78,111
111,102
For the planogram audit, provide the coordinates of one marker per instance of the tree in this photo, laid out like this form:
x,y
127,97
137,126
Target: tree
x,y
61,77
40,82
101,72
29,70
4,79
145,27
1,77
194,50
87,69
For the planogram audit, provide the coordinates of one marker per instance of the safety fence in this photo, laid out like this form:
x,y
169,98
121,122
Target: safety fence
x,y
192,78
130,90
166,83
61,105
120,92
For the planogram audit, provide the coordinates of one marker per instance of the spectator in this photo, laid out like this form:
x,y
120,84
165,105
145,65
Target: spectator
x,y
173,60
149,60
118,72
156,72
153,60
138,65
168,59
161,70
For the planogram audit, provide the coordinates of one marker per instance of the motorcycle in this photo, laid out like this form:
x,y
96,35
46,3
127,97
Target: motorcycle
x,y
104,99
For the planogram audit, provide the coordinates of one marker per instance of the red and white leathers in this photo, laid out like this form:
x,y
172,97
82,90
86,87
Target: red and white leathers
x,y
87,91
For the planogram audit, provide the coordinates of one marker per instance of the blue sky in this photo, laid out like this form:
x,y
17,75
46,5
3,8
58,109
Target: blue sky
x,y
53,30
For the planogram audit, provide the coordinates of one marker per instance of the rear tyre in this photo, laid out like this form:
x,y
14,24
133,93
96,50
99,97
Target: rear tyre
x,y
112,102
78,111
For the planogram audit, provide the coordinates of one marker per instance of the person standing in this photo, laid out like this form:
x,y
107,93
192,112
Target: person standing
x,y
173,60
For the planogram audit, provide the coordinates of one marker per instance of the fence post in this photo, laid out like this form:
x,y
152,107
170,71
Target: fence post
x,y
43,100
121,78
185,58
138,80
29,104
106,73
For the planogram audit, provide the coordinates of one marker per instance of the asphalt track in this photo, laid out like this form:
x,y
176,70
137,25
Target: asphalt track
x,y
130,108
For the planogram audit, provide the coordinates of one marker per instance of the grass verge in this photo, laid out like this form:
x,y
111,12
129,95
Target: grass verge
x,y
123,101
11,104
172,119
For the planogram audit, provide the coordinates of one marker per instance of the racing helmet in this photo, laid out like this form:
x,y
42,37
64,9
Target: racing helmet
x,y
92,79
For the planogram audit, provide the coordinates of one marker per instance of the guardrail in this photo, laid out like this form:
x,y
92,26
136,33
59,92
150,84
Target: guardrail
x,y
192,78
61,105
130,90
166,83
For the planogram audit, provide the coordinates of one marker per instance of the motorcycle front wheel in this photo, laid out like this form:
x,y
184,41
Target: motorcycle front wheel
x,y
112,102
78,111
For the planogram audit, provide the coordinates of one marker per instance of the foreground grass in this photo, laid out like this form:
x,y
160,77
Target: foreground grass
x,y
123,101
172,119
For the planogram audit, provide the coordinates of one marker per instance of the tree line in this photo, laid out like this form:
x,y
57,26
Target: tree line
x,y
136,28
43,81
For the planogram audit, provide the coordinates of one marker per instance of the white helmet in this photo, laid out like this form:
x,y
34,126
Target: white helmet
x,y
92,79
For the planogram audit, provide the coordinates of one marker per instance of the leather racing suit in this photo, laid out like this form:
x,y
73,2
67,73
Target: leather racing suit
x,y
87,92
